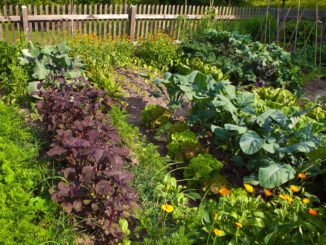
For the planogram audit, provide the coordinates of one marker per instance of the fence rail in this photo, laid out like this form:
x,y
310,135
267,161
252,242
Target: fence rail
x,y
51,24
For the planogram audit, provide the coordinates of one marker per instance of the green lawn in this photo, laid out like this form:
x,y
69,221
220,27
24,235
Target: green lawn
x,y
309,4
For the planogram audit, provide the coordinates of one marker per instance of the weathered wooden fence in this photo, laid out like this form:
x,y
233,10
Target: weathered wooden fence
x,y
52,24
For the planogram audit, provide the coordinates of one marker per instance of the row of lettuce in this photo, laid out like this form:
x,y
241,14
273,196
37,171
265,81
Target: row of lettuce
x,y
268,132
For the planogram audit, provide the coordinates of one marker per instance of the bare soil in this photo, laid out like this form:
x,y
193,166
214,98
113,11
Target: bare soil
x,y
314,88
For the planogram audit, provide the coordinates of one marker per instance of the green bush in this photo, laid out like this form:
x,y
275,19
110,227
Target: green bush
x,y
154,116
159,51
178,139
247,62
25,218
13,78
201,168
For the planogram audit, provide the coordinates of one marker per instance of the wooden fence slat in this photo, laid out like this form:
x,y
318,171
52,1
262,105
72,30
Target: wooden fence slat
x,y
149,7
132,22
84,23
1,32
160,22
53,26
143,22
167,30
105,30
64,24
110,23
11,13
74,22
120,21
36,25
125,21
90,22
175,26
179,23
100,23
80,11
164,21
47,23
115,22
17,24
157,10
151,27
58,25
6,23
172,21
95,22
42,26
30,25
69,23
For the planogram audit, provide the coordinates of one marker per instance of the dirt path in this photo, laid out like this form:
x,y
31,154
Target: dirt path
x,y
314,88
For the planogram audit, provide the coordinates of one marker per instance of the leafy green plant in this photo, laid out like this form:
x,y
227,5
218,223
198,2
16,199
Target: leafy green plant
x,y
200,169
265,140
178,139
47,64
26,211
247,62
158,51
13,78
154,116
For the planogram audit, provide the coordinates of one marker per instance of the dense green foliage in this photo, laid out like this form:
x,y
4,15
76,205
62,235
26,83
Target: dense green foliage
x,y
26,212
13,78
246,61
154,116
264,139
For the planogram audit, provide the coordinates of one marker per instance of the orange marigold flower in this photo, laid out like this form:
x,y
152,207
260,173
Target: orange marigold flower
x,y
249,188
217,232
215,216
302,175
268,192
305,200
294,188
238,224
167,208
313,211
225,191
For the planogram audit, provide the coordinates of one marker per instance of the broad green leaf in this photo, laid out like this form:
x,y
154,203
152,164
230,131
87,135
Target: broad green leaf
x,y
232,127
275,175
304,147
251,179
269,147
220,134
124,226
250,142
32,87
279,117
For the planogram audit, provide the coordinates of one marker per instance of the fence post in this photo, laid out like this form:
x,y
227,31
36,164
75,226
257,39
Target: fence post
x,y
132,22
24,20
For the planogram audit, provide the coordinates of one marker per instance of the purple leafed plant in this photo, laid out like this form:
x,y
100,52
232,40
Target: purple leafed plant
x,y
96,184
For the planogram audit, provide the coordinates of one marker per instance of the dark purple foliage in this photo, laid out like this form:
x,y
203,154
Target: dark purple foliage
x,y
96,186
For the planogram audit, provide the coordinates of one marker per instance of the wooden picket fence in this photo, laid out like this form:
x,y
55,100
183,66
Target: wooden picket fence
x,y
52,24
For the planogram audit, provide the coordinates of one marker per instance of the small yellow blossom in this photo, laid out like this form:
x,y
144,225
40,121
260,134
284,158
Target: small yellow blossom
x,y
238,224
167,208
249,188
294,188
215,216
282,197
217,232
305,200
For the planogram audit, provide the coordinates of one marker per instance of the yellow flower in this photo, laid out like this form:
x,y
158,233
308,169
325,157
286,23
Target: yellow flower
x,y
215,216
167,208
249,188
305,200
302,175
282,197
294,188
290,199
238,224
217,232
167,187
